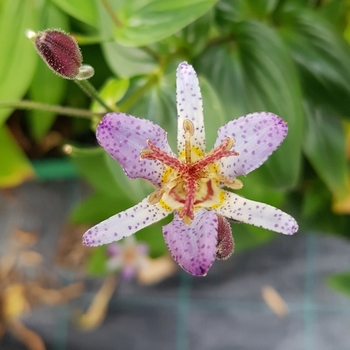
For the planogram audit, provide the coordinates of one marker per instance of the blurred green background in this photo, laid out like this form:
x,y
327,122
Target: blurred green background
x,y
289,57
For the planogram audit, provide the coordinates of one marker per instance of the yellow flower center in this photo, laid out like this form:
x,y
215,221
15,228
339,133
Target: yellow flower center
x,y
192,180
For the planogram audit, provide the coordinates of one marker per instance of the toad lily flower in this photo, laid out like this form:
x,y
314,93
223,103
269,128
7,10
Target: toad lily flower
x,y
193,185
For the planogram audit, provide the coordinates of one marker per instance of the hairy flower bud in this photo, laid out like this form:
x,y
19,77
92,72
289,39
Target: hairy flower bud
x,y
59,50
225,244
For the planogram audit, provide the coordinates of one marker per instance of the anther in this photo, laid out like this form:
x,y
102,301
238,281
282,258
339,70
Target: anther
x,y
155,196
188,127
189,131
145,152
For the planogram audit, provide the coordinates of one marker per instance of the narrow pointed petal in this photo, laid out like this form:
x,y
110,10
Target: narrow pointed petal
x,y
193,247
189,106
257,214
257,136
124,224
124,137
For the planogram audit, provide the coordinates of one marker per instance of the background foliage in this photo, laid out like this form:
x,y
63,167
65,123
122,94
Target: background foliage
x,y
290,57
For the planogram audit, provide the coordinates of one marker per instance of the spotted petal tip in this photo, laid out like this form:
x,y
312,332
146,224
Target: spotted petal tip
x,y
124,137
189,106
193,247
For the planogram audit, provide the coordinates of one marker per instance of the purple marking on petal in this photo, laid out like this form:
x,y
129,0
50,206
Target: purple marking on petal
x,y
123,225
257,214
191,106
124,137
193,247
259,133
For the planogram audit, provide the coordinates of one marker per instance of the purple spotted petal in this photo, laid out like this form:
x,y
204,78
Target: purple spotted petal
x,y
189,106
124,224
257,214
256,136
124,137
193,247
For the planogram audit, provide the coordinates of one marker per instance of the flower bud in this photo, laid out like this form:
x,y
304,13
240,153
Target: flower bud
x,y
59,50
225,244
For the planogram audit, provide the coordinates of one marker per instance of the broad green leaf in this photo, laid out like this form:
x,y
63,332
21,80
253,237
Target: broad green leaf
x,y
158,103
15,167
153,236
46,87
196,34
323,58
340,282
84,10
99,207
255,73
91,165
18,57
143,23
127,61
324,146
248,237
96,264
316,210
111,93
213,110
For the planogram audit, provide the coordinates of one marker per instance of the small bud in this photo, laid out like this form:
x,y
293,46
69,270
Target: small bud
x,y
225,244
60,51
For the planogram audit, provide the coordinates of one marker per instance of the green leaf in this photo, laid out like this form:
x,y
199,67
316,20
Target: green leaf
x,y
196,34
325,148
99,207
323,58
123,61
96,264
83,10
15,167
143,23
213,110
112,92
254,73
91,165
16,16
340,282
127,61
46,87
248,237
153,236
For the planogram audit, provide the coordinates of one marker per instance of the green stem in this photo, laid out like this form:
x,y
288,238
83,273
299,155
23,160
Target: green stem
x,y
68,111
138,93
111,13
88,88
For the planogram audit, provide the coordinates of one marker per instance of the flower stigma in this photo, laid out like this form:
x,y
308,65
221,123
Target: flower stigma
x,y
191,180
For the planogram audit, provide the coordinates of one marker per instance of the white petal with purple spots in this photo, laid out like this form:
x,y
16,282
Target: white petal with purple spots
x,y
124,137
193,247
189,106
257,214
125,223
256,136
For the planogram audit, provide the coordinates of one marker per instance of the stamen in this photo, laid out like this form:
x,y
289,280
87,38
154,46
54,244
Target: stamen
x,y
154,153
144,152
186,220
189,131
234,184
155,196
217,153
188,127
191,186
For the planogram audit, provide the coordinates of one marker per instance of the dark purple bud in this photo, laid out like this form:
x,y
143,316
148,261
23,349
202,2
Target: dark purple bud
x,y
60,51
225,245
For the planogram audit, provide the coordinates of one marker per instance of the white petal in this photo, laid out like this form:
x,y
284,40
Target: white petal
x,y
189,106
257,214
125,223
